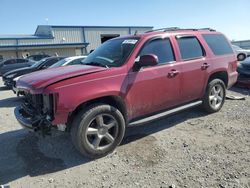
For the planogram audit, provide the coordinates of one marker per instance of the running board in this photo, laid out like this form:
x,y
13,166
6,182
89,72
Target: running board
x,y
166,113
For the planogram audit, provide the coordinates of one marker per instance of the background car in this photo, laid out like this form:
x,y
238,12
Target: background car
x,y
8,78
244,68
242,54
37,57
11,64
74,60
1,58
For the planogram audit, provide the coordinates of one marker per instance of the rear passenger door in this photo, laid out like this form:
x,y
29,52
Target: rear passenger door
x,y
194,67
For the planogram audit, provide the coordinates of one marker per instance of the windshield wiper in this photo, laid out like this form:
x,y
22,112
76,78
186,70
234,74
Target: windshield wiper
x,y
97,64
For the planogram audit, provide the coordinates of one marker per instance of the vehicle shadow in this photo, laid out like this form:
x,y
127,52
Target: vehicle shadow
x,y
10,102
24,153
240,90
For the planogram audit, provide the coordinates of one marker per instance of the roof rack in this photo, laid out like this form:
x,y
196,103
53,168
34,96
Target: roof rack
x,y
179,29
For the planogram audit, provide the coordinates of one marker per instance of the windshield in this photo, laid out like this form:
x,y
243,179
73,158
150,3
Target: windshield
x,y
112,53
38,63
59,63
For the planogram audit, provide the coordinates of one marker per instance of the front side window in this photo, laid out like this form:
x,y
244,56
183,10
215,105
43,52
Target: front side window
x,y
112,53
50,62
190,48
161,48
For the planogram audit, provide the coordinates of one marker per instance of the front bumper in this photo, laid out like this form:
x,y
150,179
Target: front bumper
x,y
31,121
23,119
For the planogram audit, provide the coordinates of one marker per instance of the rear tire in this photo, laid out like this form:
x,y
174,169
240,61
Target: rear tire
x,y
97,130
215,96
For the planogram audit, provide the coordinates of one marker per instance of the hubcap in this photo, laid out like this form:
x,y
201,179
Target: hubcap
x,y
241,57
216,96
102,132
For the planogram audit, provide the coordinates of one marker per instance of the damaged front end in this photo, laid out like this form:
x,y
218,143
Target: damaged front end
x,y
36,112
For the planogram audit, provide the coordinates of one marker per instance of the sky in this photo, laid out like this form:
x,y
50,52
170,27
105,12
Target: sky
x,y
231,17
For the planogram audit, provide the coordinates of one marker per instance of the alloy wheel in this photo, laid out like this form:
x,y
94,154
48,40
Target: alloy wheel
x,y
102,132
216,96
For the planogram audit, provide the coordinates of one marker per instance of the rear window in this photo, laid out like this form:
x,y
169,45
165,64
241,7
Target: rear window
x,y
218,44
190,48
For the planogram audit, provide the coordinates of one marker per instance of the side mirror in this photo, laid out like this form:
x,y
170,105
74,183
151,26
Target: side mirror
x,y
148,60
91,51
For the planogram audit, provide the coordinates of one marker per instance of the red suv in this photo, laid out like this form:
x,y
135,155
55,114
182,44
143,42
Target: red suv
x,y
127,81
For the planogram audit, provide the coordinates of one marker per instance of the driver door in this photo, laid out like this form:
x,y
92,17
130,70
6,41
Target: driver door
x,y
152,89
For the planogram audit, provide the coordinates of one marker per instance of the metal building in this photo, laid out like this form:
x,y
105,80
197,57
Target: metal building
x,y
63,40
245,44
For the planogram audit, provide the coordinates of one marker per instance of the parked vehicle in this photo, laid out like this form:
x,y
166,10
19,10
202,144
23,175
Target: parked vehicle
x,y
128,81
74,60
244,68
12,64
1,58
8,78
37,57
242,54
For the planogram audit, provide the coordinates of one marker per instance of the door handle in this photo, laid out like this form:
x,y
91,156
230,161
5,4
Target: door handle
x,y
173,73
204,66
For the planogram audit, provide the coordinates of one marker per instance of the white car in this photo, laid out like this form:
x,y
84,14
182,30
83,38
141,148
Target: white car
x,y
74,60
242,54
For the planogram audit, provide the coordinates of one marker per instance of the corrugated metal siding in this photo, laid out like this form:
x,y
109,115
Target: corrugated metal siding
x,y
93,35
34,41
7,42
71,35
8,54
139,30
53,51
242,44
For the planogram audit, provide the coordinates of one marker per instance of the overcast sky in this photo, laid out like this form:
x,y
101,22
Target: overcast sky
x,y
231,17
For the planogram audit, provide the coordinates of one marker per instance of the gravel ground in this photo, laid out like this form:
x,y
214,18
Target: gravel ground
x,y
190,149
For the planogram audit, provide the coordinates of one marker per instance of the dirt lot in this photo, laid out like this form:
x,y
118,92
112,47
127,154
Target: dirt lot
x,y
191,149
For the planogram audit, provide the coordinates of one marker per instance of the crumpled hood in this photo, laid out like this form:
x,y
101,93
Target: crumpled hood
x,y
44,78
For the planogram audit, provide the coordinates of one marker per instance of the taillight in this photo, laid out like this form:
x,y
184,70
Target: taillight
x,y
233,66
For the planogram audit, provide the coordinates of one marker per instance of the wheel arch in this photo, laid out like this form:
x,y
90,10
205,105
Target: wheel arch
x,y
223,75
115,101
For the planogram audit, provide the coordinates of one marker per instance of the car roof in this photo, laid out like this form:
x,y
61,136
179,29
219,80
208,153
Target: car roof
x,y
74,57
169,32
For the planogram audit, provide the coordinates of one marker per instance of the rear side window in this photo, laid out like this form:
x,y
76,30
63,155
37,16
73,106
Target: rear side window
x,y
190,48
161,48
218,44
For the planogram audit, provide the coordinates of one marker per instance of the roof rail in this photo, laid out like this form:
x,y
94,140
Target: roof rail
x,y
179,29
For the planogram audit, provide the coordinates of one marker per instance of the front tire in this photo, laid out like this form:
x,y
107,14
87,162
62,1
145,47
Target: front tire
x,y
97,130
215,96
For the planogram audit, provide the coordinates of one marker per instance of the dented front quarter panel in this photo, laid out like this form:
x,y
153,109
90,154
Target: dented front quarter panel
x,y
75,91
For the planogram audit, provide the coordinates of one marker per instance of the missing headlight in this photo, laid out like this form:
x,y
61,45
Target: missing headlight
x,y
48,105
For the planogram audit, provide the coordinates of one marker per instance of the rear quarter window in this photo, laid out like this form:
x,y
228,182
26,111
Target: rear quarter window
x,y
218,44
